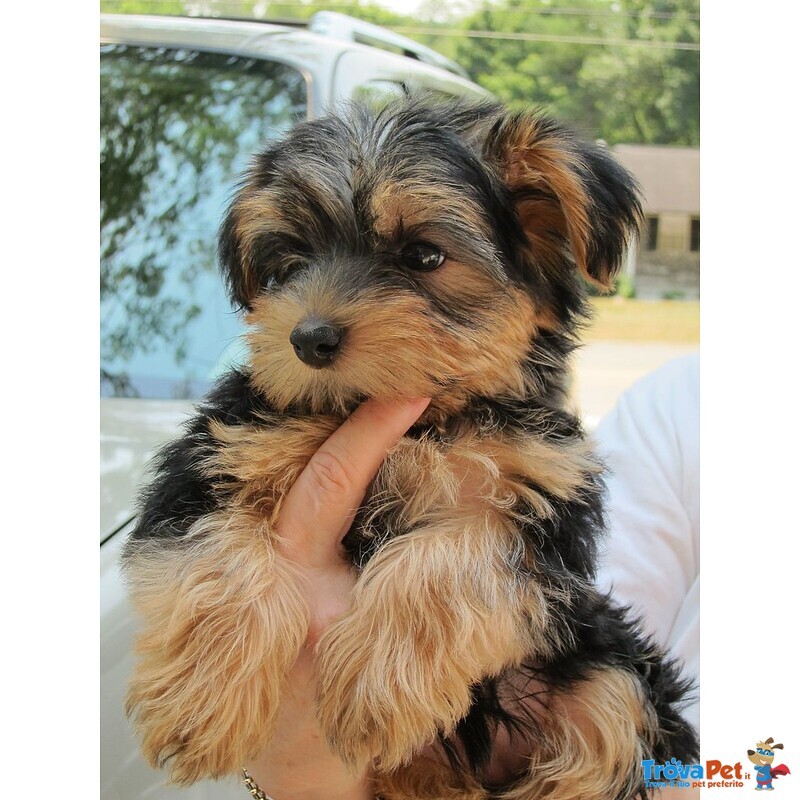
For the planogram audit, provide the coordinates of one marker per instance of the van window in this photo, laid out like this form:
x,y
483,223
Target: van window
x,y
177,129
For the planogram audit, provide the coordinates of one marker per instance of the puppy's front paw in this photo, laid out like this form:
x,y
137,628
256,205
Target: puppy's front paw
x,y
382,700
211,660
398,668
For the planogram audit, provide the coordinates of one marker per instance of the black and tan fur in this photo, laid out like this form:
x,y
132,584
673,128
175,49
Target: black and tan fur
x,y
474,620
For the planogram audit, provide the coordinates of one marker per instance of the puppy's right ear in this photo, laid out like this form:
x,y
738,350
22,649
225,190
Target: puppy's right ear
x,y
249,215
572,198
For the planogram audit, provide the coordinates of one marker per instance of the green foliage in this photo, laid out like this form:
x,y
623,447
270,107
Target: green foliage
x,y
521,72
143,6
620,92
647,95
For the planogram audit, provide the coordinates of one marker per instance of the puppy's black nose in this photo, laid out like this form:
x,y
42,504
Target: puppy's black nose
x,y
316,342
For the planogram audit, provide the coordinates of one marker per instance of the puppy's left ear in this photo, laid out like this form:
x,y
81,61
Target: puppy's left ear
x,y
569,194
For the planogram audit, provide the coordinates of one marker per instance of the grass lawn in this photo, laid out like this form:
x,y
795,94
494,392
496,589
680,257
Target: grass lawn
x,y
622,320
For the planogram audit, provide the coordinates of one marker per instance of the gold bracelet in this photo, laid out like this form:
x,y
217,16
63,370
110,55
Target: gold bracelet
x,y
255,790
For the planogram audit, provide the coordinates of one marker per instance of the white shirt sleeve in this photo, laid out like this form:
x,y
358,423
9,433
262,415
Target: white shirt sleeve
x,y
650,443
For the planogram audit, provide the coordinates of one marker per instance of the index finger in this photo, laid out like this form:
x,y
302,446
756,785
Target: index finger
x,y
320,507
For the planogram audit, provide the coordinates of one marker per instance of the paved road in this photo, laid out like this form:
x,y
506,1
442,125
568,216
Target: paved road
x,y
604,369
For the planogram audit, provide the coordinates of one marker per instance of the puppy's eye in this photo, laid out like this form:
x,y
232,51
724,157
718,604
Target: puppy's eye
x,y
286,267
422,257
276,280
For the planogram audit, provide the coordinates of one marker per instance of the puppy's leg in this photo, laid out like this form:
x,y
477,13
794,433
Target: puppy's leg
x,y
582,741
589,742
590,715
434,611
223,621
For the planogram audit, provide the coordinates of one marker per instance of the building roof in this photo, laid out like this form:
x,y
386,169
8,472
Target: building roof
x,y
669,176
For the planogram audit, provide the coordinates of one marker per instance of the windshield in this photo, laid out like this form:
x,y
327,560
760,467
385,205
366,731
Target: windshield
x,y
177,128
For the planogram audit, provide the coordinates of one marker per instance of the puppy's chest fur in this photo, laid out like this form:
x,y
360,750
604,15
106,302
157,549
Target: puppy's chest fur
x,y
514,479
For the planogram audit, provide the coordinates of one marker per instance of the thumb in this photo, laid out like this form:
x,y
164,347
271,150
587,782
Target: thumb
x,y
320,507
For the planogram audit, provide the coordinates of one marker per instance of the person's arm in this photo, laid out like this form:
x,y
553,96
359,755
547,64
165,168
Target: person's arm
x,y
650,561
316,514
650,443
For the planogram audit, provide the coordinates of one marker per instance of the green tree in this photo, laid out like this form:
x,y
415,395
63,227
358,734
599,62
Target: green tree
x,y
522,72
641,91
648,94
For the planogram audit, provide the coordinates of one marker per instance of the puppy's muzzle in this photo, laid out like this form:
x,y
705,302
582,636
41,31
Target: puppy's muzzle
x,y
316,342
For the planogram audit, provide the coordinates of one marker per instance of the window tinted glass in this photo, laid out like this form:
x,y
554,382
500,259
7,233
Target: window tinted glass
x,y
177,128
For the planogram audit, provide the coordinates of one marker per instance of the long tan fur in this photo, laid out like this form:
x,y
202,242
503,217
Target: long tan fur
x,y
591,739
224,619
594,738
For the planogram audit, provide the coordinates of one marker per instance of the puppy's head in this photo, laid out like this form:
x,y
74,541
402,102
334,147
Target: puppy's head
x,y
427,249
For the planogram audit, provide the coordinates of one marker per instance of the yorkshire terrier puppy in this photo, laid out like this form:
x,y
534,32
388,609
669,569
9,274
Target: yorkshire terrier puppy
x,y
436,250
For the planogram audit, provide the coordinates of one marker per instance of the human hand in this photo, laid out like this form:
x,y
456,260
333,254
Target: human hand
x,y
315,516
